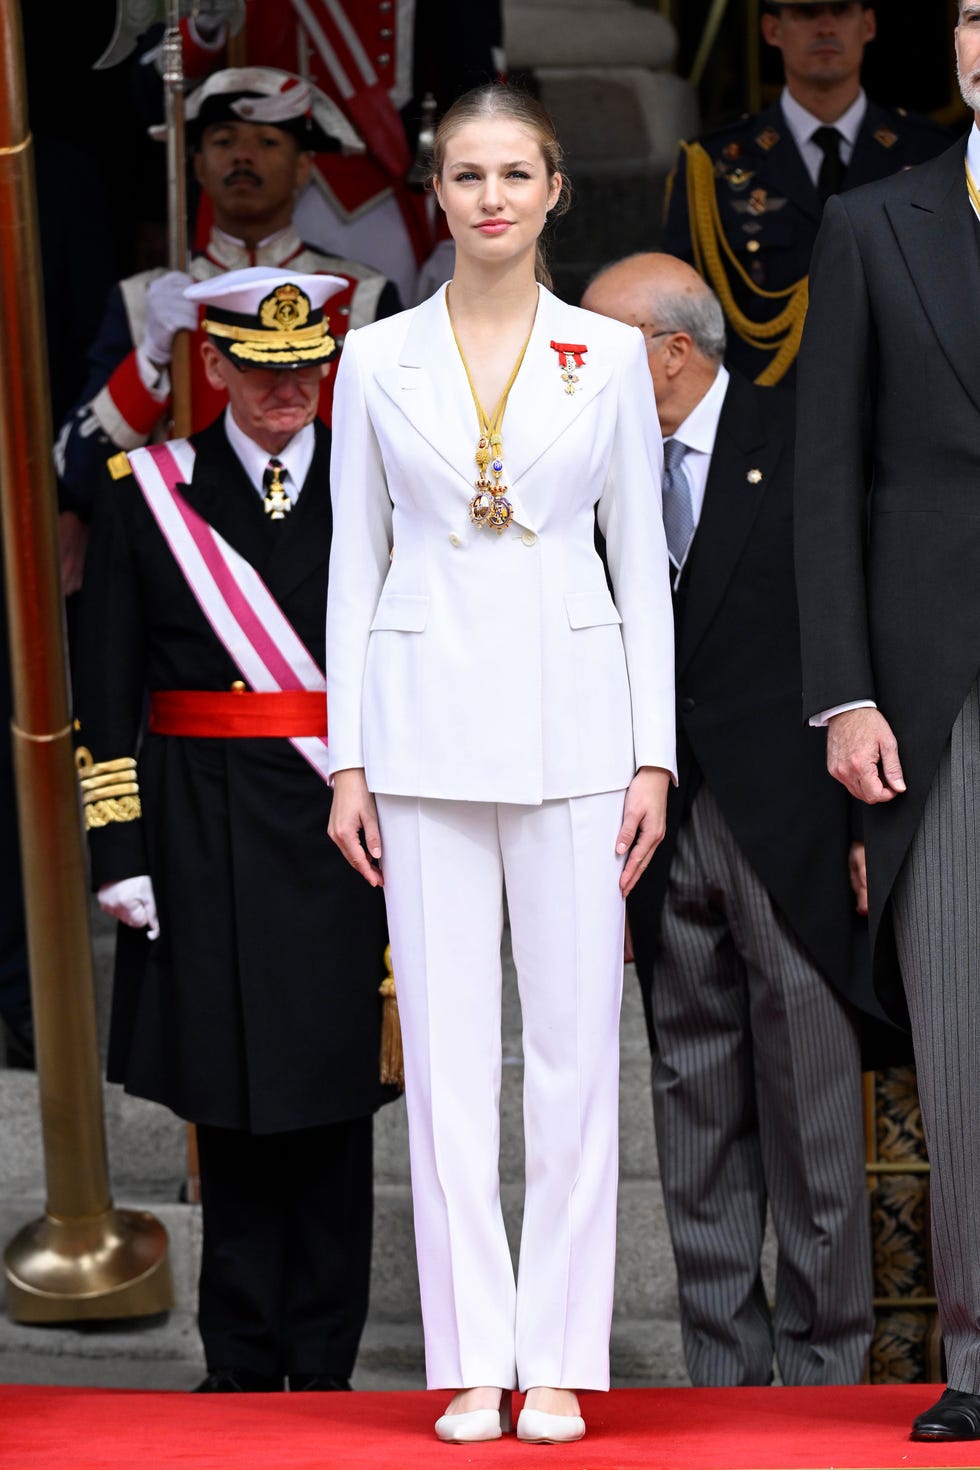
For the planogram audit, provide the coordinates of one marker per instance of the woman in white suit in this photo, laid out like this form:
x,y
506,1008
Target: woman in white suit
x,y
497,719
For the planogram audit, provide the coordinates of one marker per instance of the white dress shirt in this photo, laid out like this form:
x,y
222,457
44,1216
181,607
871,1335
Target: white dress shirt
x,y
296,457
697,433
803,125
973,159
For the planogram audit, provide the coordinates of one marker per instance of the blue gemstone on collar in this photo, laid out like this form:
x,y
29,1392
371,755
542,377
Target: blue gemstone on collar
x,y
498,466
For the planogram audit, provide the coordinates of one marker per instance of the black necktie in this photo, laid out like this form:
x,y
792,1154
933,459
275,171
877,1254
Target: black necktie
x,y
277,503
831,175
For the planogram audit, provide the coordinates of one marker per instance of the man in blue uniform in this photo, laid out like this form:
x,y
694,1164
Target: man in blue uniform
x,y
747,200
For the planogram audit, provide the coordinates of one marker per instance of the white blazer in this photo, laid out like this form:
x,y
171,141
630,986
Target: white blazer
x,y
471,666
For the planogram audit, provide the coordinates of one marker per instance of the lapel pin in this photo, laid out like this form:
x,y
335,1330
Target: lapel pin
x,y
754,477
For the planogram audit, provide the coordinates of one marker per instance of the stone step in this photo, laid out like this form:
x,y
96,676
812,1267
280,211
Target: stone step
x,y
147,1144
586,33
165,1352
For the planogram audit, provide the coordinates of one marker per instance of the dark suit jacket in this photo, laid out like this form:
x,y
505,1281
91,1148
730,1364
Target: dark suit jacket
x,y
738,681
257,1008
770,210
888,484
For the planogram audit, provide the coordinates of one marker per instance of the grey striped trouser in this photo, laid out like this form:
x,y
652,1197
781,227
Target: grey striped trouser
x,y
757,1100
936,914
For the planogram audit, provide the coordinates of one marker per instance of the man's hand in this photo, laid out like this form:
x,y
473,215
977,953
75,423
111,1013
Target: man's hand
x,y
72,545
862,753
131,901
167,313
858,870
352,813
644,823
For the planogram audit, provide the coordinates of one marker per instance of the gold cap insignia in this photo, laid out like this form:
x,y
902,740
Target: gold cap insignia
x,y
285,309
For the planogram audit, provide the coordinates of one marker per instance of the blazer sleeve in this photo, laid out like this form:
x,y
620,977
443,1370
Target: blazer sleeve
x,y
630,517
359,557
834,412
110,678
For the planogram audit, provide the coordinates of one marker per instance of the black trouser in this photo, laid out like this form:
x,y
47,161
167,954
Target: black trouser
x,y
287,1248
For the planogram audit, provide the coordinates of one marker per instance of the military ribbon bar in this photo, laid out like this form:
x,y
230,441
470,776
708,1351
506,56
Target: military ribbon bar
x,y
575,350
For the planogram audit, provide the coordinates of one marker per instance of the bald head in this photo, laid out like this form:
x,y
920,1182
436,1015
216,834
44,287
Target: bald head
x,y
681,319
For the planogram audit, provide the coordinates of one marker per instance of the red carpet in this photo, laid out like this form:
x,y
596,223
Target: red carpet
x,y
658,1429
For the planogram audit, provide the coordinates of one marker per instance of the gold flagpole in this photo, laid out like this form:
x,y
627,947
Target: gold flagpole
x,y
173,96
83,1258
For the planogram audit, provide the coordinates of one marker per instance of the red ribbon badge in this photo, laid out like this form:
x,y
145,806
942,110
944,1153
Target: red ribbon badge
x,y
565,350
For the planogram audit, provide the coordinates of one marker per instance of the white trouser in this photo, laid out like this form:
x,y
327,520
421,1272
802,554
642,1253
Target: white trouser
x,y
445,866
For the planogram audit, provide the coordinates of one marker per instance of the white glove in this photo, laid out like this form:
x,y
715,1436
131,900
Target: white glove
x,y
131,901
167,312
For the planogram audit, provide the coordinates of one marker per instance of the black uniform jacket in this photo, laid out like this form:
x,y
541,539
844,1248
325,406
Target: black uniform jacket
x,y
770,209
738,712
888,485
257,1007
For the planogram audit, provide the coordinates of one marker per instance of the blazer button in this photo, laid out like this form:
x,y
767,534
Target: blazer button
x,y
455,540
687,704
528,538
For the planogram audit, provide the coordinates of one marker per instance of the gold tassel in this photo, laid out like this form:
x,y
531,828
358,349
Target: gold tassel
x,y
392,1059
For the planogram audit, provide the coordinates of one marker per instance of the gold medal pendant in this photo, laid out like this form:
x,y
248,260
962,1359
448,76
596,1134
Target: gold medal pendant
x,y
489,506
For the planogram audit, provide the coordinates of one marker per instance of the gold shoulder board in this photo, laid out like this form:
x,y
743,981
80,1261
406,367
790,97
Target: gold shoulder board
x,y
119,466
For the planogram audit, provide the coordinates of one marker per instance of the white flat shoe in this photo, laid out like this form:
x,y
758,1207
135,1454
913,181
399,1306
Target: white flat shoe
x,y
477,1425
535,1427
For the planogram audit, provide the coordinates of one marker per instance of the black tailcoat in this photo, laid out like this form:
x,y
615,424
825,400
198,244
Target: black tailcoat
x,y
738,714
770,209
257,1007
888,485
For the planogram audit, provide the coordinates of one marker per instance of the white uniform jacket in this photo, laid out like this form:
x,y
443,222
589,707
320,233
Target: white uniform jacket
x,y
471,666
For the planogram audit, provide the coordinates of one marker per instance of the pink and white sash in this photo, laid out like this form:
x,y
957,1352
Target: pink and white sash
x,y
245,616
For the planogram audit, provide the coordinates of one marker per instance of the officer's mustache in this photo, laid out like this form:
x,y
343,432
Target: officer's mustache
x,y
237,175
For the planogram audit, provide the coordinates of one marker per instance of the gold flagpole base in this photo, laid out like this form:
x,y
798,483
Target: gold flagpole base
x,y
108,1266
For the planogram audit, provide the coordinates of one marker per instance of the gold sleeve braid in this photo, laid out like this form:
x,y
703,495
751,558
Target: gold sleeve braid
x,y
110,791
781,335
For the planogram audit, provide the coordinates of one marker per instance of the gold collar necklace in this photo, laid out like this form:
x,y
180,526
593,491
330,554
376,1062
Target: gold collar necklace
x,y
972,190
490,506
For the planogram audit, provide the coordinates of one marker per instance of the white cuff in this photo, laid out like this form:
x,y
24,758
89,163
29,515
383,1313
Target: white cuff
x,y
825,715
155,379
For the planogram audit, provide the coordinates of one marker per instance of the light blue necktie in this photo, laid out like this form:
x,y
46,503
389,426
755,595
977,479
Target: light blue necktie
x,y
678,510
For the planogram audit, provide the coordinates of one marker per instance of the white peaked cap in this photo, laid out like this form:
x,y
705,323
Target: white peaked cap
x,y
244,291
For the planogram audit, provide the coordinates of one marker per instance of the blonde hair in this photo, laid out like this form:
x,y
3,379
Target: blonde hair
x,y
497,99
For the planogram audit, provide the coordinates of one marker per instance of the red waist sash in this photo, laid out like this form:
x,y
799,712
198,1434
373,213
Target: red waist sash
x,y
290,713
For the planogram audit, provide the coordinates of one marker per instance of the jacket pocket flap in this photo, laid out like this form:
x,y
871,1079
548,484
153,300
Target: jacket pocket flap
x,y
590,609
400,612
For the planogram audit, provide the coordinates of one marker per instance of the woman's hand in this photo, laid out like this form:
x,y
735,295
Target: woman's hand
x,y
352,814
644,822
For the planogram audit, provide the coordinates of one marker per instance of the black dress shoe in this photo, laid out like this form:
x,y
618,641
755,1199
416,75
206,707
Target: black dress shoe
x,y
238,1380
317,1383
955,1415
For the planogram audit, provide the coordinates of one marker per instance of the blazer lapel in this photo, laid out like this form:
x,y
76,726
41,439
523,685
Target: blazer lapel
x,y
937,234
872,159
223,494
785,172
301,544
539,409
429,387
737,482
